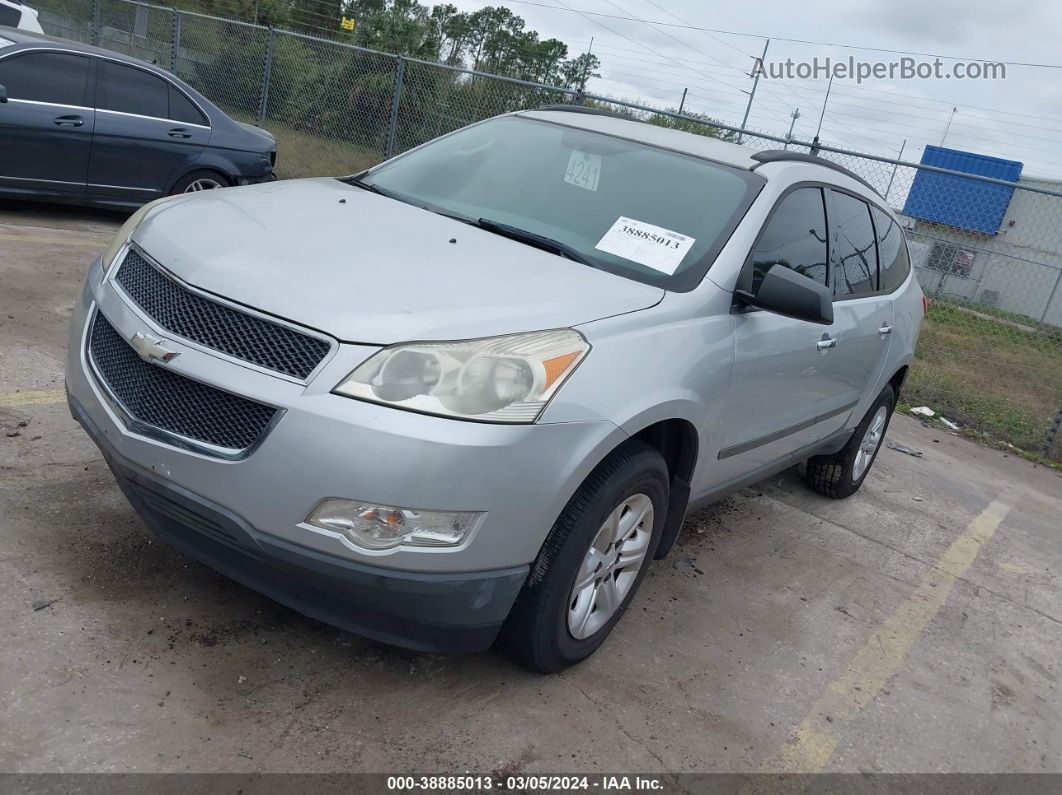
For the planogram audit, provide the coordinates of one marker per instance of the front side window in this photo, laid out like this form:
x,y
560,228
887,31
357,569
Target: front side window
x,y
794,237
636,210
891,251
130,90
54,77
856,265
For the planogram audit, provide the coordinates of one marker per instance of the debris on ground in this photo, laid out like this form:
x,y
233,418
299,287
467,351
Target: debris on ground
x,y
902,448
11,425
949,423
918,499
687,565
41,604
924,411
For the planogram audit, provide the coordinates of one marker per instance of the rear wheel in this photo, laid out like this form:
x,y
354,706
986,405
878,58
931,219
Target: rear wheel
x,y
840,475
592,562
204,179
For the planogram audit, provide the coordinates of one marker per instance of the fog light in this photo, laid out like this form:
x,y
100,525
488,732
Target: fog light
x,y
386,526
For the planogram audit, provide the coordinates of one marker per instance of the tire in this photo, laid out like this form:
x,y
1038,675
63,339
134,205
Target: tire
x,y
186,183
840,475
553,625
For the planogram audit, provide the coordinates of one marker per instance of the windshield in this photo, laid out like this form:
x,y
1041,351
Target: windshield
x,y
649,214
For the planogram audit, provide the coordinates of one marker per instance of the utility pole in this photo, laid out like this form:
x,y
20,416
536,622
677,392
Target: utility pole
x,y
947,127
895,166
682,104
795,115
756,70
815,142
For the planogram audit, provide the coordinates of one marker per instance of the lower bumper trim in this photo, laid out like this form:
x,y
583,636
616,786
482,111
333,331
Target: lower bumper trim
x,y
422,611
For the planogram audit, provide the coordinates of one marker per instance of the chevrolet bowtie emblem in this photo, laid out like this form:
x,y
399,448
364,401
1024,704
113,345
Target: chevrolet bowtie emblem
x,y
152,348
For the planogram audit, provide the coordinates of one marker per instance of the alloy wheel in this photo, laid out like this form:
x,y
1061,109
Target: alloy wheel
x,y
871,442
203,183
610,566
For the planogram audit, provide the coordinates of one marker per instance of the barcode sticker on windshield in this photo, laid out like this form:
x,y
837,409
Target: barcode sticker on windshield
x,y
652,246
584,170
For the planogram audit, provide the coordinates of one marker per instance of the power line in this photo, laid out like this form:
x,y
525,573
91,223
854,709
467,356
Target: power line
x,y
644,46
793,40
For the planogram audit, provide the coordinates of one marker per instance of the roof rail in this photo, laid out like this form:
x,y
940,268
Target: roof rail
x,y
779,155
586,110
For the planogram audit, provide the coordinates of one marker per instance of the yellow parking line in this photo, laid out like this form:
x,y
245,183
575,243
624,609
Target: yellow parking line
x,y
30,397
811,744
55,241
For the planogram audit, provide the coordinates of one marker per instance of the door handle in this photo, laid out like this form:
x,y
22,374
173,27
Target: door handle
x,y
885,329
179,132
69,121
825,343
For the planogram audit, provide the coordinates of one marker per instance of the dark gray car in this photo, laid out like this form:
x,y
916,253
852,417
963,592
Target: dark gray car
x,y
86,125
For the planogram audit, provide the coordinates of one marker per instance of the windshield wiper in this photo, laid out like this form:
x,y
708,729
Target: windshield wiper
x,y
374,188
533,239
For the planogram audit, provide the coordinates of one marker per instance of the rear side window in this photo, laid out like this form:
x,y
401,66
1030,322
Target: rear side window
x,y
11,17
54,77
131,90
895,264
182,108
795,238
856,263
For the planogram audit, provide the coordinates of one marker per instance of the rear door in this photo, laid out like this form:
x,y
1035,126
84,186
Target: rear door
x,y
862,313
45,126
776,393
148,132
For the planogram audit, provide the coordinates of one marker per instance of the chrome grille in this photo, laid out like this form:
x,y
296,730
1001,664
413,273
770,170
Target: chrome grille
x,y
217,326
163,399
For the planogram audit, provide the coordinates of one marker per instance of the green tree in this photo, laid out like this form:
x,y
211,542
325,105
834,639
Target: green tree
x,y
697,123
576,72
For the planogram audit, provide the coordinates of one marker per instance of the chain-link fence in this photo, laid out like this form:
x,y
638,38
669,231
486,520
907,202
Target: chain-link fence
x,y
988,251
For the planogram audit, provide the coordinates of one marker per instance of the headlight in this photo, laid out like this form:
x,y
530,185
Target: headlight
x,y
120,240
385,526
499,379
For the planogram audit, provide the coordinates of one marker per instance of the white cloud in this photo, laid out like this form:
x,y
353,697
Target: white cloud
x,y
1018,118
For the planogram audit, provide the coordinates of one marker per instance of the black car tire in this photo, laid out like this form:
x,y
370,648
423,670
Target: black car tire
x,y
537,630
182,185
836,475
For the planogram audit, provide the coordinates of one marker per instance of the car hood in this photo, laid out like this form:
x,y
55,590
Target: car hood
x,y
365,268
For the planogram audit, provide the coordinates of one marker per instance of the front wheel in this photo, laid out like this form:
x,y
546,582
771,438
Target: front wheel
x,y
592,562
840,475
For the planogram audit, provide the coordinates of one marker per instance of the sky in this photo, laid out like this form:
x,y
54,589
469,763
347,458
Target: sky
x,y
1019,117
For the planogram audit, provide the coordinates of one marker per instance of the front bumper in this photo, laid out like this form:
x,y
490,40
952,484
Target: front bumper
x,y
423,611
271,176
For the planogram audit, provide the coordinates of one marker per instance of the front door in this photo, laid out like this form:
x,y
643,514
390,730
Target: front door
x,y
775,404
45,126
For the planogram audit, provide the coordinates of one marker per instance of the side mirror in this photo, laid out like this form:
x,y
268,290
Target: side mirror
x,y
785,292
3,95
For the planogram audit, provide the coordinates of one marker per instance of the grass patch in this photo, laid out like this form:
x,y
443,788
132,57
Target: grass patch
x,y
992,378
306,154
303,154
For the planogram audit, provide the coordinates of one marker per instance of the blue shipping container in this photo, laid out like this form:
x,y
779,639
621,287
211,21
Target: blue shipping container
x,y
957,201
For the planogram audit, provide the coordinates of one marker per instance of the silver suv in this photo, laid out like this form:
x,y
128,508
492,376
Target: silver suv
x,y
474,390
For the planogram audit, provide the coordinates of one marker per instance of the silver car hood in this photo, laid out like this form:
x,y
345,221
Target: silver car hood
x,y
369,269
